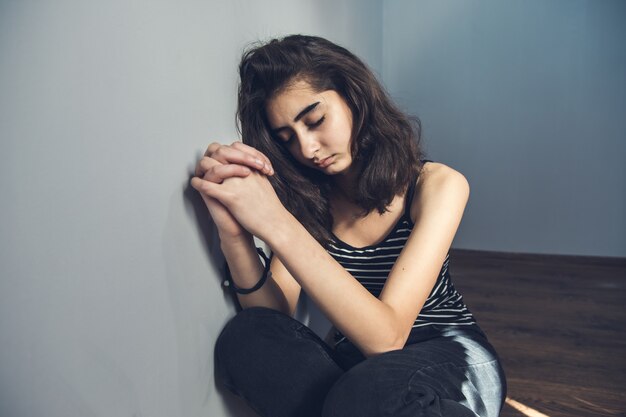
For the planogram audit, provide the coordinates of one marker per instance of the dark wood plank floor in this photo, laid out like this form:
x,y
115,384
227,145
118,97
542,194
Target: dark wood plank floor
x,y
559,325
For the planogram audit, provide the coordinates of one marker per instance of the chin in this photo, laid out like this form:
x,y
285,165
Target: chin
x,y
338,167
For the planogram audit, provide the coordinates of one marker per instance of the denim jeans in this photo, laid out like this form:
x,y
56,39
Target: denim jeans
x,y
281,368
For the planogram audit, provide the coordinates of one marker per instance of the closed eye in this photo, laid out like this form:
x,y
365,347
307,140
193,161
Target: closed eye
x,y
319,122
310,125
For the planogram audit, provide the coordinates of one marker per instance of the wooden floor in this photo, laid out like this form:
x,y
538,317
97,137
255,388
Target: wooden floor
x,y
558,324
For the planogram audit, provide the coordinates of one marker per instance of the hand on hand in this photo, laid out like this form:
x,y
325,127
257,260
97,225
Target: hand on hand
x,y
251,201
236,160
221,162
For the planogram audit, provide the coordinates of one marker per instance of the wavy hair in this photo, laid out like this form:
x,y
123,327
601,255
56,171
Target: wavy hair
x,y
384,144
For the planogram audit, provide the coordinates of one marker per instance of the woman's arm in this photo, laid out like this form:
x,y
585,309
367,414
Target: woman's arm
x,y
219,163
373,325
280,292
440,199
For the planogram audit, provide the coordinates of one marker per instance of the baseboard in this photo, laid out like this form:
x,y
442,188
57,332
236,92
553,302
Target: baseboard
x,y
540,257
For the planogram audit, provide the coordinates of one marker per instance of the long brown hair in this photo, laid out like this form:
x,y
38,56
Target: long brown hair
x,y
385,142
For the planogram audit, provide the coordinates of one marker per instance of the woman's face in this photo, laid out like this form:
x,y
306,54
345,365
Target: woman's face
x,y
316,127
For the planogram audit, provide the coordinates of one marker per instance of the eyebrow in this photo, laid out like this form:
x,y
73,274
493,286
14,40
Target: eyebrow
x,y
300,115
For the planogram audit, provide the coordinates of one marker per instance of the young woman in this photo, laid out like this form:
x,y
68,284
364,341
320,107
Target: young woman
x,y
330,177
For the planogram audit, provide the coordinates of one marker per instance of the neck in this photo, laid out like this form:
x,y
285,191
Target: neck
x,y
344,183
343,193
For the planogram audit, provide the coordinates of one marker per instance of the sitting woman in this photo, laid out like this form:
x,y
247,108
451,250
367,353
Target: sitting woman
x,y
330,176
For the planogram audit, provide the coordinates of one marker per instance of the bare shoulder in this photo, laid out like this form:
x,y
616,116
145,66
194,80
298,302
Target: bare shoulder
x,y
439,180
437,171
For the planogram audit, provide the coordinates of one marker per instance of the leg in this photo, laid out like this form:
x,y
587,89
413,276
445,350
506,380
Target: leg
x,y
277,364
457,375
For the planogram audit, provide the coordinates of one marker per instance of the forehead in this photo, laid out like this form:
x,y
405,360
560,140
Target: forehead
x,y
289,101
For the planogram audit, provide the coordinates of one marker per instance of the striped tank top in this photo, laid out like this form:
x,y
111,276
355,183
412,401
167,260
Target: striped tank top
x,y
371,265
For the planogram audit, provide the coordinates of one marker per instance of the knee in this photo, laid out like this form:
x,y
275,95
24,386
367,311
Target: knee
x,y
235,330
241,330
379,386
354,393
241,341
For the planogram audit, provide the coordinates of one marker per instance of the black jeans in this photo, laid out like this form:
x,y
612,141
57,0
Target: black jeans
x,y
281,368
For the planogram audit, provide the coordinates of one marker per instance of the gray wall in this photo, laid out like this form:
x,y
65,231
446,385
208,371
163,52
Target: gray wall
x,y
528,100
109,292
109,298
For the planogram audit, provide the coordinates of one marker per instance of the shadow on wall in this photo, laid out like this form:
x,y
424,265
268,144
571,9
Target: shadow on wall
x,y
197,342
208,235
205,226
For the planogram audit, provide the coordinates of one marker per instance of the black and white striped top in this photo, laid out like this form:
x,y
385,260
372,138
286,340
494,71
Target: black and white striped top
x,y
371,265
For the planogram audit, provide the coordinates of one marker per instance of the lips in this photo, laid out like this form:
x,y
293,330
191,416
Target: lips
x,y
323,163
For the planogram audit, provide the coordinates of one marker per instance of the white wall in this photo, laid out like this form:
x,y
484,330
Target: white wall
x,y
527,98
109,298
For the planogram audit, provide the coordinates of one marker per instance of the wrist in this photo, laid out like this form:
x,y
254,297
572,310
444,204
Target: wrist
x,y
244,239
264,276
281,231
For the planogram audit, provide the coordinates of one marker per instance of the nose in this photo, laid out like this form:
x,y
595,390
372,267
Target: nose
x,y
309,145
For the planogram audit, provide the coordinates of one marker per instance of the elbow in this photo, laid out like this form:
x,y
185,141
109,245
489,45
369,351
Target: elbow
x,y
378,349
394,339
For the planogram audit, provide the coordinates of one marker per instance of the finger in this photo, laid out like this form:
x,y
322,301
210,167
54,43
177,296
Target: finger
x,y
219,173
249,156
202,186
208,188
204,165
254,152
231,155
212,148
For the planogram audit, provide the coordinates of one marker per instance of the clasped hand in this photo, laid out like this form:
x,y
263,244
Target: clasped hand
x,y
232,180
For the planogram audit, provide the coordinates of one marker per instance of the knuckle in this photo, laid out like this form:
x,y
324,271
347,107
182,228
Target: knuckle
x,y
204,163
211,148
212,173
221,152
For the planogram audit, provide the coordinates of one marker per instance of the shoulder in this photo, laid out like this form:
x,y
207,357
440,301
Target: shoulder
x,y
439,182
436,172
